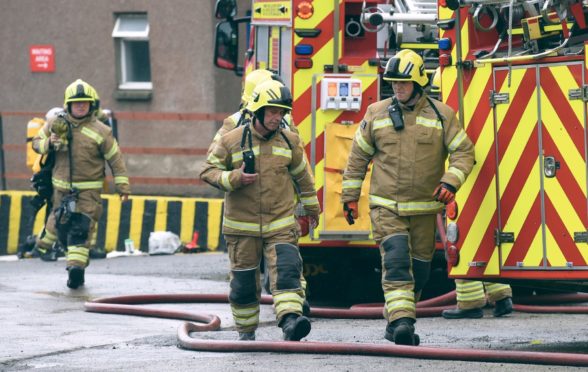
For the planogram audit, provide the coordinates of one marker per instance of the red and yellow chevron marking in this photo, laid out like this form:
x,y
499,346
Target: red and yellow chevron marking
x,y
302,81
518,184
565,194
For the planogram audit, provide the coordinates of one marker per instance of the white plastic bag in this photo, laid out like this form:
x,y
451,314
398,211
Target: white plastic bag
x,y
163,242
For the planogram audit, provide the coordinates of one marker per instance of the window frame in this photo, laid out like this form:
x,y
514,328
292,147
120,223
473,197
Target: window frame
x,y
121,39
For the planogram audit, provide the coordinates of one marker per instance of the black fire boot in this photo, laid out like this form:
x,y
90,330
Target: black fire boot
x,y
502,307
246,336
47,255
461,313
75,276
97,252
401,332
294,326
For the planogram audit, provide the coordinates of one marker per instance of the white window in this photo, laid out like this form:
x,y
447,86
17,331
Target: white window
x,y
131,36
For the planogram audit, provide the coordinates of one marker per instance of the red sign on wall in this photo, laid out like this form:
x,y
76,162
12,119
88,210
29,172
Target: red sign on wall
x,y
42,58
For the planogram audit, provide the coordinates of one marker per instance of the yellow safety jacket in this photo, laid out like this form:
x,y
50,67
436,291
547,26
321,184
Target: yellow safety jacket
x,y
410,163
266,206
93,143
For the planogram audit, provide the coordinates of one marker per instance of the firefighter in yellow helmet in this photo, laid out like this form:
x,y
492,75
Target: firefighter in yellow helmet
x,y
408,137
257,165
243,116
81,144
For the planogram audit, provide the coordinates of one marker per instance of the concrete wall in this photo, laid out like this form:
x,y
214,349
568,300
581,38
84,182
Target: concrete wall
x,y
165,138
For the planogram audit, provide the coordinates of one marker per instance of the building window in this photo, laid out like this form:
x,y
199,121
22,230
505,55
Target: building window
x,y
131,37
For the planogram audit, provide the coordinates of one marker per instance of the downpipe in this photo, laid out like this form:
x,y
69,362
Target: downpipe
x,y
197,322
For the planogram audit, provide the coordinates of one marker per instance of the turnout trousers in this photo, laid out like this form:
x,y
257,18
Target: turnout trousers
x,y
407,244
78,236
284,266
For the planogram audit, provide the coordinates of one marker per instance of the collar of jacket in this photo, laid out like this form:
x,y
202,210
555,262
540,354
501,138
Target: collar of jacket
x,y
263,138
417,106
77,122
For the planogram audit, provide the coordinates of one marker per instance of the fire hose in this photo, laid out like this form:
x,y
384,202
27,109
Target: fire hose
x,y
432,307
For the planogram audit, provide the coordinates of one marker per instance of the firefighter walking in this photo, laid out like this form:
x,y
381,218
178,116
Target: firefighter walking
x,y
81,144
472,296
258,166
408,137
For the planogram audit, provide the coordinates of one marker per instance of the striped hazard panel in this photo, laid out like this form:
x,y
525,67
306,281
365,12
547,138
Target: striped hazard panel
x,y
528,188
542,168
135,220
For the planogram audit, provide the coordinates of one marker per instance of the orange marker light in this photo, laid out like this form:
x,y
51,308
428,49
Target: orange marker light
x,y
305,10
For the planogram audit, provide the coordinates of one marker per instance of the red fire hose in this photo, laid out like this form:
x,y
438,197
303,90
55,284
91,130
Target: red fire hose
x,y
124,305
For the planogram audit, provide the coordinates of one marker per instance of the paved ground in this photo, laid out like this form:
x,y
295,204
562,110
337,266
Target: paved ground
x,y
44,326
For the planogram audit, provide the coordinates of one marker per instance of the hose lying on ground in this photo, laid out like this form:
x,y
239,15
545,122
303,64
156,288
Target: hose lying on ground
x,y
432,307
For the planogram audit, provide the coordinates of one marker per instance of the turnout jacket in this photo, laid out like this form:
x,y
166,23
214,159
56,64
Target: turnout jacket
x,y
92,144
410,163
265,207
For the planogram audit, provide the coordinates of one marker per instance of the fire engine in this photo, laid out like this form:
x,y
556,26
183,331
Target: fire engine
x,y
514,71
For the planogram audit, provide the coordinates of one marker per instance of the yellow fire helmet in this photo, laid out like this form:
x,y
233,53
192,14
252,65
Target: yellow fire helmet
x,y
80,91
436,81
253,79
406,65
270,93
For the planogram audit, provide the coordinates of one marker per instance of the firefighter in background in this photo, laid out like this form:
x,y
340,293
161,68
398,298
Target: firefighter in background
x,y
257,166
81,144
408,137
243,116
35,164
471,295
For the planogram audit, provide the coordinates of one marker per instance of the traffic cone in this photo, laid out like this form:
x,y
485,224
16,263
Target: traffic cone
x,y
193,245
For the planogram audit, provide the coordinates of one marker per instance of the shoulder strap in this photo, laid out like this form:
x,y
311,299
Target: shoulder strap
x,y
286,139
436,110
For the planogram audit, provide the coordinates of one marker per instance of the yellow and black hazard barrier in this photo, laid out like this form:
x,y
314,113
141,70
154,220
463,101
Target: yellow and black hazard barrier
x,y
133,220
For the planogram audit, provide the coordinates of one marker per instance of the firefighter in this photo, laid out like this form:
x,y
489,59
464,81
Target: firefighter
x,y
81,145
253,79
258,166
408,137
471,295
471,298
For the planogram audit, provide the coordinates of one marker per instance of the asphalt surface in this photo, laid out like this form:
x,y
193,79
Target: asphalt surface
x,y
44,326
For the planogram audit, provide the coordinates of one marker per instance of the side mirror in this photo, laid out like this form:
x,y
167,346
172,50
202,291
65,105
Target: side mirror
x,y
225,9
226,45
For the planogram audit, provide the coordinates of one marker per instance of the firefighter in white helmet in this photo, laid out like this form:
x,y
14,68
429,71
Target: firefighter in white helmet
x,y
81,144
257,166
472,296
408,137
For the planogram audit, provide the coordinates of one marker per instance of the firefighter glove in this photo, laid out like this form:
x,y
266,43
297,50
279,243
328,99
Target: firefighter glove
x,y
350,211
445,193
